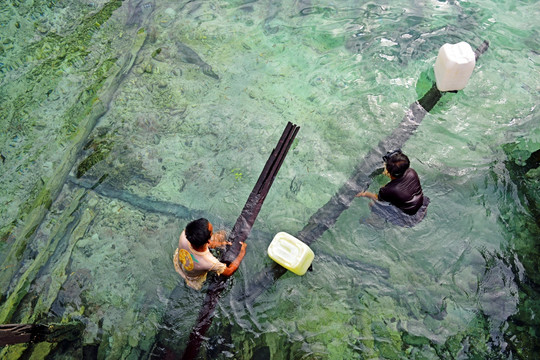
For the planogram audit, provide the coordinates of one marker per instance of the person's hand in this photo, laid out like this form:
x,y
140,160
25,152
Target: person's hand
x,y
220,235
367,194
219,239
233,266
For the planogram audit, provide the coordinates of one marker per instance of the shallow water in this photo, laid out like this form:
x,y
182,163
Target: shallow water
x,y
170,110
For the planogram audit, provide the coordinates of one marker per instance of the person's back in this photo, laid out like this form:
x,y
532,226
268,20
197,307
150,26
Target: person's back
x,y
401,201
193,259
404,192
193,265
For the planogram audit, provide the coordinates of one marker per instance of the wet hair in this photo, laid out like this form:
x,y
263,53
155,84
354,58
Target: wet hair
x,y
197,232
397,164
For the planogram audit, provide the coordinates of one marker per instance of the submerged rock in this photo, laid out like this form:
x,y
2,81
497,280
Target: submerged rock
x,y
71,292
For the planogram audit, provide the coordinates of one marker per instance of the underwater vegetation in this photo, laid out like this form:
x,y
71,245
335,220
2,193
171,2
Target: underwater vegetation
x,y
123,120
523,165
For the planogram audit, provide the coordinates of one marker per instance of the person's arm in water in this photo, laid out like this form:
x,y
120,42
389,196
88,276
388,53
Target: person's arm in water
x,y
368,195
232,267
371,195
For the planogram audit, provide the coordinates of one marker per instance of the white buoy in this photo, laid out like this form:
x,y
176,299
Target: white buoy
x,y
454,66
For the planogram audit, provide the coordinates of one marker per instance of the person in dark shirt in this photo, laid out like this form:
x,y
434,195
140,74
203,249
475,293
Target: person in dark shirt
x,y
403,192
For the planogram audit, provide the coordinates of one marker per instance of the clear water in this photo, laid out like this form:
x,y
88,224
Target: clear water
x,y
113,91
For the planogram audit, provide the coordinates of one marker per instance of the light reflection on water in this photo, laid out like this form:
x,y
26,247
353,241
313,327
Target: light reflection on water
x,y
346,73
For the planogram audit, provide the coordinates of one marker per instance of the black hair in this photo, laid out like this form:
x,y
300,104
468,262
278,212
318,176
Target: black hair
x,y
197,232
397,164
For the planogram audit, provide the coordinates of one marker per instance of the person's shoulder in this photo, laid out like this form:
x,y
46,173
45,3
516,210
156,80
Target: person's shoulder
x,y
411,172
182,240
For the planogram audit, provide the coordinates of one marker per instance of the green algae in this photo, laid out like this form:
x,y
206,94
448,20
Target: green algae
x,y
156,52
78,139
366,328
86,101
57,52
472,342
43,200
13,352
49,337
101,149
36,206
523,165
22,287
75,227
41,351
323,41
39,208
58,273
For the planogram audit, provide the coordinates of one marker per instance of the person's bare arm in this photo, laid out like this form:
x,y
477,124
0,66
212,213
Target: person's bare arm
x,y
218,239
368,194
236,262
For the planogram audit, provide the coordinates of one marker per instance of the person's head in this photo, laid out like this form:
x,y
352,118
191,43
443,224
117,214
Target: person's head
x,y
396,163
198,232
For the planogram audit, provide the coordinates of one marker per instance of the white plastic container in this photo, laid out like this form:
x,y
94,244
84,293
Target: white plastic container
x,y
291,253
454,66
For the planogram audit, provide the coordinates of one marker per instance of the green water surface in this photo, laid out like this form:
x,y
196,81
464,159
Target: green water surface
x,y
121,121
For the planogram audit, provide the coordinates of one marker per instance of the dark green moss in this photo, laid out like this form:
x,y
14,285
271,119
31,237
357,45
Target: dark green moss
x,y
523,164
101,146
56,52
94,158
414,340
156,52
21,249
